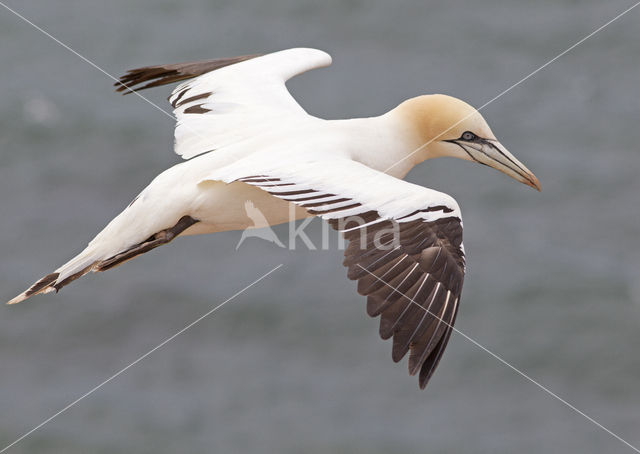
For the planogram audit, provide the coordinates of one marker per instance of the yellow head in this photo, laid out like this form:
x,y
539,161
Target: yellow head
x,y
447,126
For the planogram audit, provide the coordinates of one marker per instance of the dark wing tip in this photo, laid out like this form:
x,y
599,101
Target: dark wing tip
x,y
429,366
415,290
165,74
158,75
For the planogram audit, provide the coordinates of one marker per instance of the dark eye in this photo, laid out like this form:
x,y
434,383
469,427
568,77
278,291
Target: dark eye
x,y
468,136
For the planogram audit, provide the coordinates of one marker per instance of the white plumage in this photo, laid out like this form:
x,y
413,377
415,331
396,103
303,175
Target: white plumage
x,y
244,100
246,139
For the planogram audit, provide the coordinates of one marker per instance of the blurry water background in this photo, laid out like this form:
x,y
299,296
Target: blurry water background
x,y
294,365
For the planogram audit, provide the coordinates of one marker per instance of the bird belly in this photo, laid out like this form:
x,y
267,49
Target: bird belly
x,y
237,206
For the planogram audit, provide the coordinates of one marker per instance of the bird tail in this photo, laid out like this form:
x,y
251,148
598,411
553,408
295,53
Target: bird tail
x,y
70,271
94,258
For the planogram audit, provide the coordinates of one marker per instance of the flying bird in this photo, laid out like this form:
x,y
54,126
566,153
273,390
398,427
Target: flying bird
x,y
244,137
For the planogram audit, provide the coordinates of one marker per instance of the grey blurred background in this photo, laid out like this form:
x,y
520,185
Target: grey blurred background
x,y
294,364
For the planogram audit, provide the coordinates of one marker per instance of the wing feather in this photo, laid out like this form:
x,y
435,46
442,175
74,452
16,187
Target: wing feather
x,y
405,245
228,100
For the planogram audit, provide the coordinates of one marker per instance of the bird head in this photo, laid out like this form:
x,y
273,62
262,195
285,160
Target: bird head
x,y
447,126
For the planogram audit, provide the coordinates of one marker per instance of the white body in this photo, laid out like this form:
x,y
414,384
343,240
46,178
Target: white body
x,y
253,154
219,206
239,120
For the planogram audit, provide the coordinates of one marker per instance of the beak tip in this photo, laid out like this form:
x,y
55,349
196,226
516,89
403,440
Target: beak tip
x,y
534,183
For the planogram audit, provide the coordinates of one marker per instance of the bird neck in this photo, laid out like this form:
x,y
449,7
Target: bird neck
x,y
403,137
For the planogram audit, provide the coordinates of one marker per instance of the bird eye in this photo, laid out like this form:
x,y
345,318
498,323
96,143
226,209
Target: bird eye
x,y
468,136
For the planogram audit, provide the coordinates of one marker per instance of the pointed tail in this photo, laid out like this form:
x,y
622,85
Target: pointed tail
x,y
94,259
70,271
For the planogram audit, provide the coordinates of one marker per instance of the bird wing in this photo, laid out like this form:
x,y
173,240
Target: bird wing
x,y
231,99
405,244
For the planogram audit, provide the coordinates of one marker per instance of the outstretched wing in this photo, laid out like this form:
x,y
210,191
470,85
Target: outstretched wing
x,y
231,99
405,245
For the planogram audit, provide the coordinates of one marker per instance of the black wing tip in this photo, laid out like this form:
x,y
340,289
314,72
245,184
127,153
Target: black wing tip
x,y
434,247
431,364
158,75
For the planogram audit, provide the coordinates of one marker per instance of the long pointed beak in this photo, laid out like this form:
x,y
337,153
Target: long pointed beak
x,y
490,152
507,163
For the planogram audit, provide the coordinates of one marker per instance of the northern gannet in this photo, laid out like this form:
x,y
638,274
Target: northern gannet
x,y
245,138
